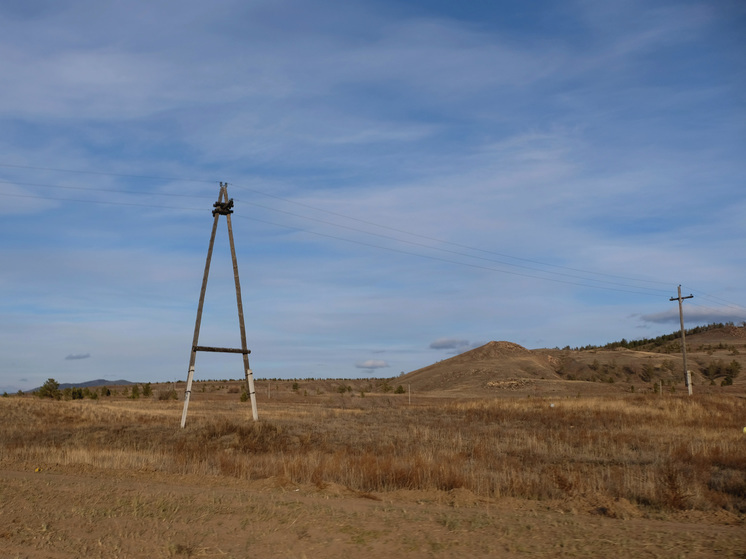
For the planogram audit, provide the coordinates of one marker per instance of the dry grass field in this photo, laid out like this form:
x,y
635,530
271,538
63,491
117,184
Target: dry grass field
x,y
337,468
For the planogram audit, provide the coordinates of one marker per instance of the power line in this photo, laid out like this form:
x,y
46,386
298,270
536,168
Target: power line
x,y
444,249
100,173
366,222
349,228
107,190
108,203
436,258
715,299
632,288
352,241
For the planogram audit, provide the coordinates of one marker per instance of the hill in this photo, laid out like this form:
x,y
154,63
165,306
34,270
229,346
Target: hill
x,y
475,370
715,356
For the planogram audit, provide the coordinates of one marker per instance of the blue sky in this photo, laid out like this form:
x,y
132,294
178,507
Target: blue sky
x,y
412,179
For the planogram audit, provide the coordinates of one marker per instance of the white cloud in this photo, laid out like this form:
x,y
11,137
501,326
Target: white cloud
x,y
372,364
604,140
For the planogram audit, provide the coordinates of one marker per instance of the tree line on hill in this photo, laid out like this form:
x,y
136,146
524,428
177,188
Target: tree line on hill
x,y
51,389
658,341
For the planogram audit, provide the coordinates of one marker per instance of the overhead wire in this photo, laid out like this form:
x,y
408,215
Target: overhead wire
x,y
429,238
366,222
105,202
423,245
105,174
632,290
439,259
714,299
608,285
616,285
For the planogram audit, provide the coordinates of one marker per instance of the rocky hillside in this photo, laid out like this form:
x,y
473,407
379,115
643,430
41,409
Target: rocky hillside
x,y
716,356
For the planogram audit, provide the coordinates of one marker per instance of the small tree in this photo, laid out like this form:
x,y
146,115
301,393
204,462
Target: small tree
x,y
147,390
50,389
135,392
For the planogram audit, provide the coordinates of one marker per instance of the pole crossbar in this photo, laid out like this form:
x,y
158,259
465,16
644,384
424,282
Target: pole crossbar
x,y
224,206
220,349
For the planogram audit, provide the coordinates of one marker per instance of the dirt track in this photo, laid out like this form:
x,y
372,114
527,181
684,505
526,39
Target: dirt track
x,y
83,512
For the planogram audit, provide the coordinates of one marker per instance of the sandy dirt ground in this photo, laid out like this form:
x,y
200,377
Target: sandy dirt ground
x,y
75,511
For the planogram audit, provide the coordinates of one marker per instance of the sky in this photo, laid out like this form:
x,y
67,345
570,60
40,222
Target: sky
x,y
411,180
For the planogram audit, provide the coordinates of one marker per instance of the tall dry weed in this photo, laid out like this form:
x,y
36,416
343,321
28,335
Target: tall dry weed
x,y
668,453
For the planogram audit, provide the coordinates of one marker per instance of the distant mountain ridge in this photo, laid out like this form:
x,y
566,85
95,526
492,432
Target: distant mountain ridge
x,y
97,382
89,384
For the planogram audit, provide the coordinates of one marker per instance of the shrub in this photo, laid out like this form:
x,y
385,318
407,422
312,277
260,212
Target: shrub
x,y
169,394
50,389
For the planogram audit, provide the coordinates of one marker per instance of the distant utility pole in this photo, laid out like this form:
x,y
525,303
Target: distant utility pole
x,y
687,374
223,206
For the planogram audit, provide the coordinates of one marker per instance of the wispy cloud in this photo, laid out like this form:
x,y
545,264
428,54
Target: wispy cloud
x,y
77,356
698,315
454,346
449,343
372,364
561,170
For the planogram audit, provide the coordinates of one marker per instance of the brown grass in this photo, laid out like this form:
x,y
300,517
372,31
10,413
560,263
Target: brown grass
x,y
659,453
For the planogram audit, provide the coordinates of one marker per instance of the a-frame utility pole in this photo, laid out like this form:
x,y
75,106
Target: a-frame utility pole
x,y
687,374
223,206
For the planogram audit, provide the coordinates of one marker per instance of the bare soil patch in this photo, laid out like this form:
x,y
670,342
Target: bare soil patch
x,y
65,512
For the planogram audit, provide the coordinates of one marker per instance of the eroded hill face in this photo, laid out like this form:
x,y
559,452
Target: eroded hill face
x,y
475,370
494,350
716,358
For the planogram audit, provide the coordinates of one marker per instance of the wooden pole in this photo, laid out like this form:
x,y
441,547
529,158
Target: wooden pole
x,y
200,306
222,207
247,370
687,374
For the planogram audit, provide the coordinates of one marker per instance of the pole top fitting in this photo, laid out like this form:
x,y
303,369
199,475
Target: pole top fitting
x,y
223,208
